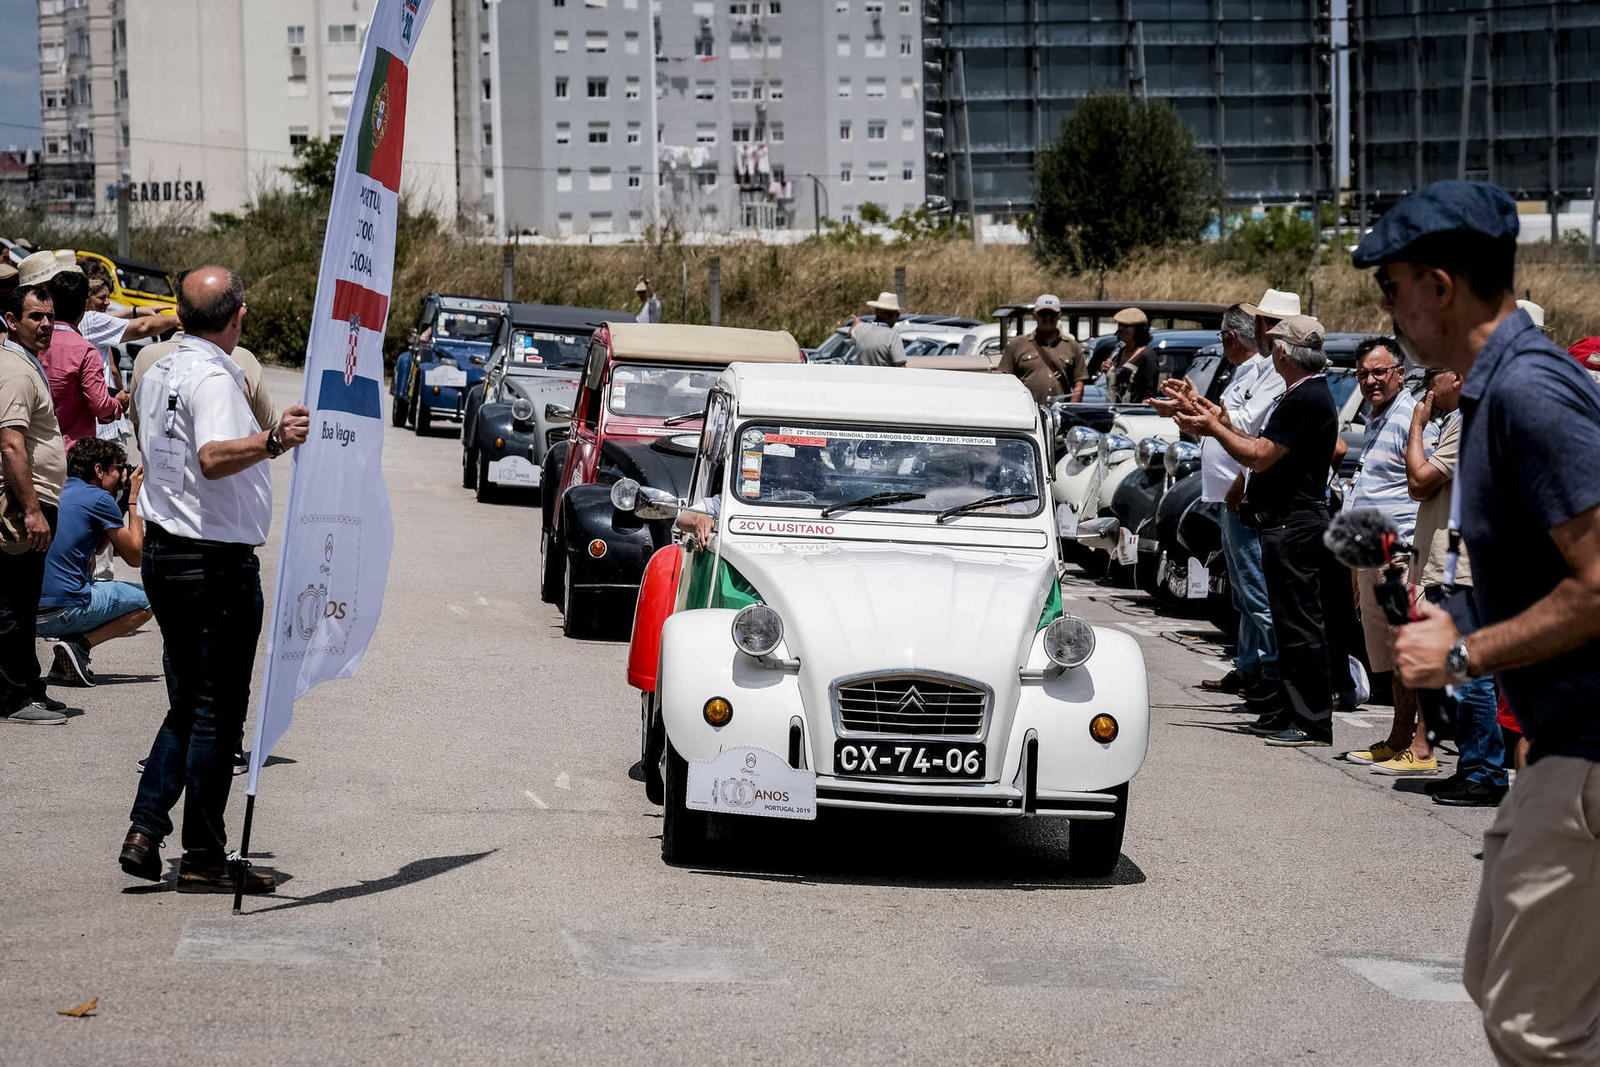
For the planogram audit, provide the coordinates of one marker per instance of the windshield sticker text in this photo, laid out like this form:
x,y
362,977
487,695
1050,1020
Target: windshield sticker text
x,y
789,438
802,436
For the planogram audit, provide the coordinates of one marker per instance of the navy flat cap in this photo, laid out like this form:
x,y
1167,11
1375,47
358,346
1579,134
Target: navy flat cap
x,y
1448,207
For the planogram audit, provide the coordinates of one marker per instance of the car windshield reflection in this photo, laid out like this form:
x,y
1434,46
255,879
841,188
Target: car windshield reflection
x,y
464,326
537,350
660,392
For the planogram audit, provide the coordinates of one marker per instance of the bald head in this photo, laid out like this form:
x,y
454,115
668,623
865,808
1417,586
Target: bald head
x,y
211,305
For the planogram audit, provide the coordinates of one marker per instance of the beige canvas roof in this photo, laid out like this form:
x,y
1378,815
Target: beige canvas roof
x,y
679,343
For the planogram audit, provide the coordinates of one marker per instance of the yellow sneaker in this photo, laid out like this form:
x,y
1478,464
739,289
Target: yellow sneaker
x,y
1404,763
1378,753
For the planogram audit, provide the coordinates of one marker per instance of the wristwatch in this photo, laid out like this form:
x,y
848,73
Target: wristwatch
x,y
1457,663
274,449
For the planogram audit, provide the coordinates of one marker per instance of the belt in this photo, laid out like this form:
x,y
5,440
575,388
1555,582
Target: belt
x,y
156,533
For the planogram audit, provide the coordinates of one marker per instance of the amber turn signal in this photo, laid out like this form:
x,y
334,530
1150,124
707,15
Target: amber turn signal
x,y
1103,728
436,390
597,548
499,442
718,712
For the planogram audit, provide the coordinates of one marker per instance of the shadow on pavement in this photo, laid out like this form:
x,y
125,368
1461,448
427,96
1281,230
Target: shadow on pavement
x,y
934,852
415,871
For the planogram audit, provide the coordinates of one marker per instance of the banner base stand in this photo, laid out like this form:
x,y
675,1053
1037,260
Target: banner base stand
x,y
244,851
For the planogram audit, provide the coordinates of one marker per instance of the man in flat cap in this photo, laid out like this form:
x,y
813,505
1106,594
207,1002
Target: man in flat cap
x,y
1527,504
1285,501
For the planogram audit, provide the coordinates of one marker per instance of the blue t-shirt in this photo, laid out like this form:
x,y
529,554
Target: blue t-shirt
x,y
1530,429
86,513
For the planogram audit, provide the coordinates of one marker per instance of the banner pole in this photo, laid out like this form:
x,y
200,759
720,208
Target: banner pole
x,y
244,852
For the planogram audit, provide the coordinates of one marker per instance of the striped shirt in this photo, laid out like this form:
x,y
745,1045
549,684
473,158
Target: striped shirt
x,y
1380,481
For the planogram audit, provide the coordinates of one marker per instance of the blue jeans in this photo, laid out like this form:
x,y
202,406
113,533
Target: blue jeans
x,y
1478,737
207,600
107,601
1258,650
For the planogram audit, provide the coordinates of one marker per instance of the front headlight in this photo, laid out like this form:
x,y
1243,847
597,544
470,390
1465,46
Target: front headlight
x,y
1114,442
1068,641
1082,440
522,409
1150,450
757,630
1177,454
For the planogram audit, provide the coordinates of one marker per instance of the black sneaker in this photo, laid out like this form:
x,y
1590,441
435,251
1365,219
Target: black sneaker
x,y
1299,737
1440,784
72,665
1271,723
1471,795
44,701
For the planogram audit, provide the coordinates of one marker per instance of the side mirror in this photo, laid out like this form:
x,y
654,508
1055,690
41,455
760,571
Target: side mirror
x,y
557,413
641,500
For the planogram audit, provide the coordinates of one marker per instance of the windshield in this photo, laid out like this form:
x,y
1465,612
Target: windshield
x,y
828,347
661,392
536,350
143,281
817,467
1342,382
465,326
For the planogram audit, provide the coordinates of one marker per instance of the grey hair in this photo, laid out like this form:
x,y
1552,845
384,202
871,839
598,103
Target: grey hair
x,y
1239,322
1305,357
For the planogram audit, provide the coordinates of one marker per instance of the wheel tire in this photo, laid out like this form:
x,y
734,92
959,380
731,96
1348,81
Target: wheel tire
x,y
488,492
550,571
1095,846
397,412
424,420
652,741
683,831
1146,573
577,610
469,468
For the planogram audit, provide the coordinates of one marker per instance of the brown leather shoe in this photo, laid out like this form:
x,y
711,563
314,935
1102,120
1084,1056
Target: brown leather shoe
x,y
219,879
141,855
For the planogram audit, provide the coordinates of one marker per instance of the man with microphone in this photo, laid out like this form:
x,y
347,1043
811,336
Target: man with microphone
x,y
1527,506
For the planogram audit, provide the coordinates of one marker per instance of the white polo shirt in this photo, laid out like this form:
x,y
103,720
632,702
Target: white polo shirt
x,y
1247,398
210,407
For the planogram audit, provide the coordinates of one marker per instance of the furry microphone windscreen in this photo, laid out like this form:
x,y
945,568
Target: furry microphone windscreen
x,y
1364,537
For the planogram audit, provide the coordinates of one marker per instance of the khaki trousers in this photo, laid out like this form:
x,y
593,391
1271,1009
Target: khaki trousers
x,y
1533,955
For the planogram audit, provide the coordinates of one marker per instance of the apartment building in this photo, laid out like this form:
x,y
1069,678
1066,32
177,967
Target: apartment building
x,y
709,115
198,104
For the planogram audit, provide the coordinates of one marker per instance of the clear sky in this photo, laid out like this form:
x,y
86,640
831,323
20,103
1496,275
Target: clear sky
x,y
19,74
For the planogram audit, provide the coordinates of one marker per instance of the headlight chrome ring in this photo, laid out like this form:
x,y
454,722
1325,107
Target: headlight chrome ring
x,y
757,630
1069,641
522,409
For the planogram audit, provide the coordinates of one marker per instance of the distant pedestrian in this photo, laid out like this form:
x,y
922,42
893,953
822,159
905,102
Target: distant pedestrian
x,y
1049,363
877,339
649,306
1528,501
1135,372
33,468
1285,501
75,610
1480,778
207,503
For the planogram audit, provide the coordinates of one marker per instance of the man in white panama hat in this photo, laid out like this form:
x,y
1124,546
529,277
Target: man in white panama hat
x,y
878,340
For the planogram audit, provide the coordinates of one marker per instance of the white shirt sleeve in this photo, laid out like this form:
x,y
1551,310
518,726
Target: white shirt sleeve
x,y
102,330
220,411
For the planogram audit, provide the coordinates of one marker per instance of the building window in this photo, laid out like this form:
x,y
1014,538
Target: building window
x,y
599,133
561,40
876,88
875,130
705,133
564,223
757,91
599,88
844,131
297,35
559,3
774,47
630,43
600,179
706,180
635,179
875,49
342,33
563,180
596,42
740,133
599,222
908,172
705,90
908,89
704,47
908,129
561,88
905,7
298,135
563,133
774,7
775,90
844,174
873,8
594,3
738,50
739,91
841,7
877,172
844,45
844,88
631,89
633,133
488,135
905,46
775,133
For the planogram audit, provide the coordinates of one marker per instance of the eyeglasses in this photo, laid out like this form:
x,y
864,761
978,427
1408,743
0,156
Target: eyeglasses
x,y
1386,284
1375,373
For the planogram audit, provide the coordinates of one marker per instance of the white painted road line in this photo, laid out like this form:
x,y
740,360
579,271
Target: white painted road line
x,y
541,805
277,939
457,609
1430,979
563,780
648,958
1353,720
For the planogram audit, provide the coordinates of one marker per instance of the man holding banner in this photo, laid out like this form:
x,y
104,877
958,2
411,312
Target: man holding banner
x,y
207,502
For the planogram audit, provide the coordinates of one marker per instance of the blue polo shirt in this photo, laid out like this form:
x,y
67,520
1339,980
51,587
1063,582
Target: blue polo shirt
x,y
1530,429
86,515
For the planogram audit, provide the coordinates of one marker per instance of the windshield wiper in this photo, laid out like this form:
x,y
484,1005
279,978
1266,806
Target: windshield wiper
x,y
984,502
872,501
685,417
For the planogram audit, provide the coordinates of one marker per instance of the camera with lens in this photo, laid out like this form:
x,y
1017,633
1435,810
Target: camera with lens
x,y
127,486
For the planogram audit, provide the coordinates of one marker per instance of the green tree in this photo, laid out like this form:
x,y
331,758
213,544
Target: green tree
x,y
1124,175
315,162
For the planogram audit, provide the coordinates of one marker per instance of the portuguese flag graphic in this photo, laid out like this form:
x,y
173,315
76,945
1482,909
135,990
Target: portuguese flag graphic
x,y
383,123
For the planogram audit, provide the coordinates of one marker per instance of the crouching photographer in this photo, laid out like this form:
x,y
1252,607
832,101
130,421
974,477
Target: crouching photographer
x,y
75,609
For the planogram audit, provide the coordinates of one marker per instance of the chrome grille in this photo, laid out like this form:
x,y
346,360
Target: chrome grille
x,y
911,705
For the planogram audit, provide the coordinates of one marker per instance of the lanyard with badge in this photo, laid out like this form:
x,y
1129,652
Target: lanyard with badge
x,y
167,453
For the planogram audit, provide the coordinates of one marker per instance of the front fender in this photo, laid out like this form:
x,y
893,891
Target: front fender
x,y
494,421
1059,708
658,592
586,517
555,457
698,661
400,384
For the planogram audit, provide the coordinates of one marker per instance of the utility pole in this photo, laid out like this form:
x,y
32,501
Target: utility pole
x,y
124,240
716,291
966,151
508,271
497,92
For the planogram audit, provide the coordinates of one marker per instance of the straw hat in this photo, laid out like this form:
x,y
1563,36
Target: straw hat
x,y
885,302
40,267
1276,304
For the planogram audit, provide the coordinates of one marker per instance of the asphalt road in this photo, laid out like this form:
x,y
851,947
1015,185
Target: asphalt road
x,y
469,875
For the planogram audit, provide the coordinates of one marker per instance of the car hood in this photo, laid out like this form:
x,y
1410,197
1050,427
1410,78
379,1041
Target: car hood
x,y
544,389
851,608
647,464
1139,426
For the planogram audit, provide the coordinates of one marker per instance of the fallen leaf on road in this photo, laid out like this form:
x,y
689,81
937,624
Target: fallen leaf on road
x,y
82,1010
